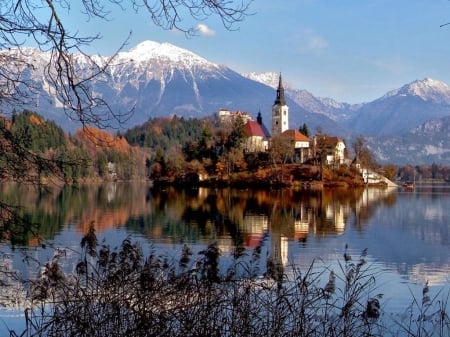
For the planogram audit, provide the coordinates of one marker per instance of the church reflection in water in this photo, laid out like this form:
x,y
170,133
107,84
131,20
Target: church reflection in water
x,y
274,218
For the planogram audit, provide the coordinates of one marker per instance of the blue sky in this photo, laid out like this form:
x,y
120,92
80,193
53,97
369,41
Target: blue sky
x,y
350,50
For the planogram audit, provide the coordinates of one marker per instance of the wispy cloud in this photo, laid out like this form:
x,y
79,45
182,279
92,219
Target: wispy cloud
x,y
308,40
204,30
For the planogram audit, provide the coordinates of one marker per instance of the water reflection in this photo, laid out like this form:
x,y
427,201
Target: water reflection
x,y
405,232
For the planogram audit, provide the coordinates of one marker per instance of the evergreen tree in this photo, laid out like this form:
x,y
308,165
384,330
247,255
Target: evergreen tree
x,y
304,130
237,135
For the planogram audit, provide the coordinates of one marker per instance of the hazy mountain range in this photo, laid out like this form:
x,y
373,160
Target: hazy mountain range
x,y
407,125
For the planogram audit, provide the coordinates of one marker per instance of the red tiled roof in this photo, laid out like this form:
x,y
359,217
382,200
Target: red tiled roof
x,y
252,129
295,135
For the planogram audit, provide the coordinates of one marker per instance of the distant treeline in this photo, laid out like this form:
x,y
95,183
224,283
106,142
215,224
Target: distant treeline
x,y
424,172
167,148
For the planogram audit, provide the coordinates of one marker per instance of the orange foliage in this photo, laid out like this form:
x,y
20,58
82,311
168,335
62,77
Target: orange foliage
x,y
102,138
157,130
36,120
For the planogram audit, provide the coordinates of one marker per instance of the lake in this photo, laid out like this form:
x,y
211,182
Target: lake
x,y
406,232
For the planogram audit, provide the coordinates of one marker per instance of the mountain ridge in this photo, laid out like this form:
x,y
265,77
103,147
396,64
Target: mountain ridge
x,y
160,79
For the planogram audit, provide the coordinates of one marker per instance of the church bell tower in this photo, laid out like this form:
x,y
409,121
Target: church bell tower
x,y
280,112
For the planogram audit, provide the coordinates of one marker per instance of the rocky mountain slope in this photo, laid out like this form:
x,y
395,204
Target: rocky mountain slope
x,y
403,109
427,143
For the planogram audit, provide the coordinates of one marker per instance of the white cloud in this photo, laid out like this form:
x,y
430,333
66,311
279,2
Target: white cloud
x,y
309,40
204,30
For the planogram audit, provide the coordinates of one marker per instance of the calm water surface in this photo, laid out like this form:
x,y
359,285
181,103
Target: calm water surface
x,y
406,232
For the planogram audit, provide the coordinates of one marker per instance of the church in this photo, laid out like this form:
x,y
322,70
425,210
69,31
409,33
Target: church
x,y
258,137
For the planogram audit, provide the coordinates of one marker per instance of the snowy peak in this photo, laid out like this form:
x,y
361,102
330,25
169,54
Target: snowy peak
x,y
268,78
150,50
427,89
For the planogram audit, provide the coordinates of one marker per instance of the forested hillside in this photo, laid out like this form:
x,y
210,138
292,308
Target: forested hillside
x,y
167,132
89,154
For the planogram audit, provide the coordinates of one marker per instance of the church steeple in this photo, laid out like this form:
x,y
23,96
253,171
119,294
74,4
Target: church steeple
x,y
280,93
259,118
280,111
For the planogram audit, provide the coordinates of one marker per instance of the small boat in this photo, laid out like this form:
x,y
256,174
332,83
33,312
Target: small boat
x,y
409,185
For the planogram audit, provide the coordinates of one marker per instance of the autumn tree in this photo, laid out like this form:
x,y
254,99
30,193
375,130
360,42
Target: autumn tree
x,y
358,145
390,171
363,153
280,152
232,161
202,153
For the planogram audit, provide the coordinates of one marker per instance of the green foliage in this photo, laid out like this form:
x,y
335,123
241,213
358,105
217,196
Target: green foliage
x,y
304,130
74,164
102,164
175,142
165,133
124,164
34,133
202,149
30,145
237,135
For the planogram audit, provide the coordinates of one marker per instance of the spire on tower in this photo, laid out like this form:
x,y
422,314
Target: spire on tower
x,y
259,118
280,100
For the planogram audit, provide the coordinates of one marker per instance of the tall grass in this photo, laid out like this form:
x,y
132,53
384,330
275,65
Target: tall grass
x,y
121,292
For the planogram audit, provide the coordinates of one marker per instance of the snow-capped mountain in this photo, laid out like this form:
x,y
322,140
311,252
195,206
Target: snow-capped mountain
x,y
403,109
157,79
268,78
427,89
166,52
161,79
153,61
334,110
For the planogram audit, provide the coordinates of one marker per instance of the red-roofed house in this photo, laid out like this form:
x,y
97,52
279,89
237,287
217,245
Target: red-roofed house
x,y
300,144
256,140
257,136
